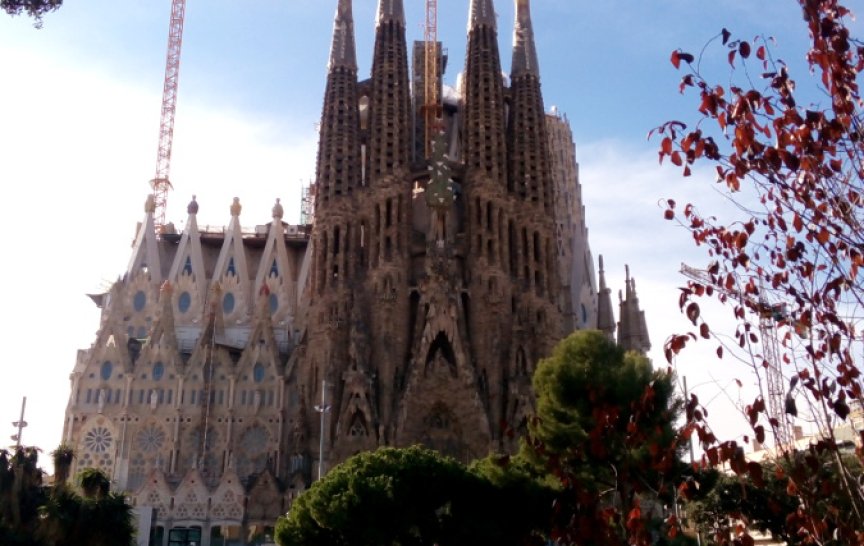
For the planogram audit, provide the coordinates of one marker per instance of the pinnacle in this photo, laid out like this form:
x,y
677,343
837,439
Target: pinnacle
x,y
390,10
342,52
524,50
482,14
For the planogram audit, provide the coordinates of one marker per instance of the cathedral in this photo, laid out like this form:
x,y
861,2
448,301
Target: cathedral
x,y
233,367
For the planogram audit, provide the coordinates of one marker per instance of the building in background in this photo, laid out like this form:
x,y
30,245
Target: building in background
x,y
231,366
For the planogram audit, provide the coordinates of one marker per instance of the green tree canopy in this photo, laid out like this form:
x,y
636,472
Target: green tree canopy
x,y
411,496
35,515
605,428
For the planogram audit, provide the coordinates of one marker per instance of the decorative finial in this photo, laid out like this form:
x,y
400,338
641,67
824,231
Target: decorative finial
x,y
150,204
524,50
192,208
278,211
236,207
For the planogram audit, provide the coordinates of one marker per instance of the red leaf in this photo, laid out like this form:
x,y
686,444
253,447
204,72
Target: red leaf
x,y
732,57
797,223
666,145
822,236
693,312
704,331
760,53
744,49
669,214
676,59
726,34
719,351
676,159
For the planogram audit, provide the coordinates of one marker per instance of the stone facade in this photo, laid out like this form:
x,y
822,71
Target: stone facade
x,y
413,309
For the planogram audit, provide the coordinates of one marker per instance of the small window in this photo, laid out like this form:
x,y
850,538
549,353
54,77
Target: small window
x,y
231,269
184,302
258,372
140,300
106,370
158,371
187,267
228,303
89,396
274,303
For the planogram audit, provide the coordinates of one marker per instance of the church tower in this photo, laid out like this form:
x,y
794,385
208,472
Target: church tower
x,y
232,363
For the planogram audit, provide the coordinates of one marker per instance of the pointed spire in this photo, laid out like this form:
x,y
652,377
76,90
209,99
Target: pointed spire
x,y
524,50
389,108
605,317
632,328
390,10
342,52
482,14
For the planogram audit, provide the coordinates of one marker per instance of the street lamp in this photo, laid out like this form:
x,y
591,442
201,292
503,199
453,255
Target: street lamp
x,y
20,423
322,409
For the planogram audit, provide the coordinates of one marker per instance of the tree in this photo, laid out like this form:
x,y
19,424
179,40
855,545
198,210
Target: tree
x,y
767,507
411,496
21,494
35,515
33,8
96,518
605,430
790,156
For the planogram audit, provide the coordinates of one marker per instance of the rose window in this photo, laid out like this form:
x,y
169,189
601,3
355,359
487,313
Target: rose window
x,y
98,440
150,439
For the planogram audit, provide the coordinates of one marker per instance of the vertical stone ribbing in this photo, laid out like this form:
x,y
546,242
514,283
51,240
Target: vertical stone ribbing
x,y
483,130
390,104
339,168
530,175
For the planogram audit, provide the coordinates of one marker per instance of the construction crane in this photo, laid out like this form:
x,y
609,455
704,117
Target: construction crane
x,y
769,316
161,183
432,108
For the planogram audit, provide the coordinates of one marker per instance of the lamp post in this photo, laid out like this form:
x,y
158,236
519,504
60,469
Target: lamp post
x,y
322,409
20,423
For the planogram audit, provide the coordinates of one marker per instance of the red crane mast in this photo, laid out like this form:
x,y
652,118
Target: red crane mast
x,y
161,182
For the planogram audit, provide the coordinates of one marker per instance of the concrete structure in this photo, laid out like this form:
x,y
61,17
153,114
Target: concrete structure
x,y
414,308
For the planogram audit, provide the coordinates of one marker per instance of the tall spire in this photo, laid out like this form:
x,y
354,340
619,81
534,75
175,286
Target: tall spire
x,y
390,10
524,50
483,119
530,174
605,318
482,14
390,102
632,328
343,53
339,168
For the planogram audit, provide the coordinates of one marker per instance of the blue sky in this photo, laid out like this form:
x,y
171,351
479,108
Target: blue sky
x,y
79,113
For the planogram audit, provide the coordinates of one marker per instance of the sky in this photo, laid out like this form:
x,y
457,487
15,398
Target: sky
x,y
79,116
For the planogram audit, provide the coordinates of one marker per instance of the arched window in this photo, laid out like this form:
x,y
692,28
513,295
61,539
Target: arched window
x,y
105,371
140,300
258,372
184,302
158,371
228,303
